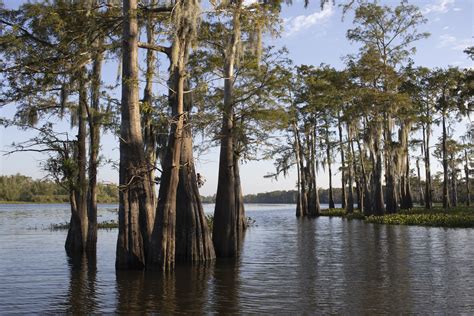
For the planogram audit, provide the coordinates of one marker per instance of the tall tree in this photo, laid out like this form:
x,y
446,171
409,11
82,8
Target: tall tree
x,y
135,206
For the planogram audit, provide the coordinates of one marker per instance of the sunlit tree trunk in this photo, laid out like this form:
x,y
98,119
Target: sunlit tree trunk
x,y
343,164
148,128
468,184
135,205
446,202
329,161
225,232
428,187
193,238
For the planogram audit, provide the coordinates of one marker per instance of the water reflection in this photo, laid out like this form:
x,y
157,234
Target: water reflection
x,y
225,287
182,291
286,266
82,296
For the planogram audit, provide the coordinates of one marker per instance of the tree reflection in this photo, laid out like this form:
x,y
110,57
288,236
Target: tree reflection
x,y
82,296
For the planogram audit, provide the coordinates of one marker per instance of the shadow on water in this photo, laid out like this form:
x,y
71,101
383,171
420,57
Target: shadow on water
x,y
82,293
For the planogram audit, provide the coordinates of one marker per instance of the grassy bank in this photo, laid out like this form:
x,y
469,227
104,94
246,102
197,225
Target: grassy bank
x,y
458,217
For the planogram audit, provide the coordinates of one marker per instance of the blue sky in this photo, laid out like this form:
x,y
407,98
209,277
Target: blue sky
x,y
313,36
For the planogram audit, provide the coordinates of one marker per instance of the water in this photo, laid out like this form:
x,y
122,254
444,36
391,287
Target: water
x,y
287,266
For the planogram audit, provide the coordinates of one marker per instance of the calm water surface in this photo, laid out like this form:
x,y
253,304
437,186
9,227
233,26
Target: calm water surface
x,y
287,266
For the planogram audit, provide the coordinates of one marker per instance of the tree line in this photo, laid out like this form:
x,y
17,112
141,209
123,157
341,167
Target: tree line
x,y
20,188
223,83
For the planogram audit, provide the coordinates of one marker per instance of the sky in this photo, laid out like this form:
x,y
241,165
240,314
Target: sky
x,y
312,36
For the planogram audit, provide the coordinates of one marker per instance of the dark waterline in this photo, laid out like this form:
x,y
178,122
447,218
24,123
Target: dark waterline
x,y
324,265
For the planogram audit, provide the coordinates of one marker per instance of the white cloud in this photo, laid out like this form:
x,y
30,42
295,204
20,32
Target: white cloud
x,y
446,28
303,22
440,6
454,43
457,9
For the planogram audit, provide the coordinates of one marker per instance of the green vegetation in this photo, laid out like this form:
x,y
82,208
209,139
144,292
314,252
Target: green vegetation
x,y
113,224
459,217
103,225
22,189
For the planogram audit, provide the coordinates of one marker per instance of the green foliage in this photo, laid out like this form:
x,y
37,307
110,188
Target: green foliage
x,y
19,188
103,225
436,220
462,217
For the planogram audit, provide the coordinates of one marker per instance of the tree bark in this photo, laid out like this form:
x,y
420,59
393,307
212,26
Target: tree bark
x,y
468,184
428,187
94,146
135,205
343,165
446,202
76,240
378,205
193,238
299,201
329,161
225,234
149,131
162,254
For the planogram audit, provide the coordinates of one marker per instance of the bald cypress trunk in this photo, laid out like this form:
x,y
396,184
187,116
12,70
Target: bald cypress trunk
x,y
162,252
76,240
134,205
343,164
365,196
148,108
390,170
420,189
428,187
193,238
225,234
301,207
239,200
446,202
378,205
329,161
468,184
94,146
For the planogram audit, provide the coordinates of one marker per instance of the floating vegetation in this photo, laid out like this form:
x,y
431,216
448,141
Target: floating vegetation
x,y
458,217
102,225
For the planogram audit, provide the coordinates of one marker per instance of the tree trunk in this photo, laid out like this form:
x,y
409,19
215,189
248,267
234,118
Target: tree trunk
x,y
420,197
76,241
302,199
328,157
428,187
367,206
225,234
454,186
390,176
446,202
162,252
350,200
94,136
468,184
378,205
406,201
148,109
239,200
135,205
343,165
193,238
314,207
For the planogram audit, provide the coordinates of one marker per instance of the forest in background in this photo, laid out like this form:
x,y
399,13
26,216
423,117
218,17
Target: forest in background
x,y
20,188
